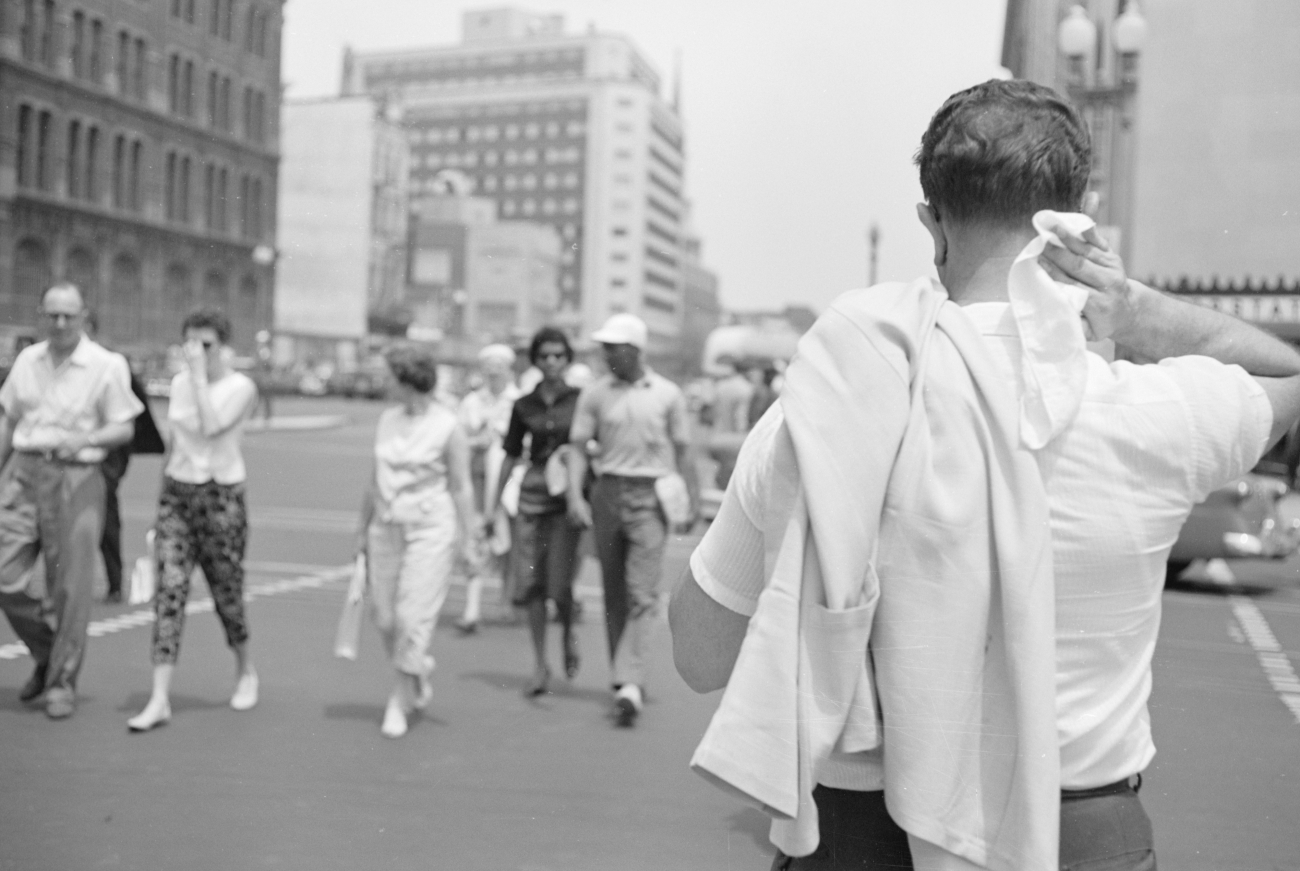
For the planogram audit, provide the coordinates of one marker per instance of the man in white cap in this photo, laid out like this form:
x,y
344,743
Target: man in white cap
x,y
637,418
485,415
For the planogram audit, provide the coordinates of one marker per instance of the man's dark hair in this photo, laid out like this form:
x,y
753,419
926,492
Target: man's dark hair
x,y
209,319
549,335
1003,150
413,365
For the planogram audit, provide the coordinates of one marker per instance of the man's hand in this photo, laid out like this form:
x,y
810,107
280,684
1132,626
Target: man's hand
x,y
196,360
579,512
71,446
1089,262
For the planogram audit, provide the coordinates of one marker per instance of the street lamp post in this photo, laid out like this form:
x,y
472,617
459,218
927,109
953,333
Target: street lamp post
x,y
1104,86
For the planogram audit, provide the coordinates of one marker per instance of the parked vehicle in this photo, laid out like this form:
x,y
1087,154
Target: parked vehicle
x,y
371,381
1242,519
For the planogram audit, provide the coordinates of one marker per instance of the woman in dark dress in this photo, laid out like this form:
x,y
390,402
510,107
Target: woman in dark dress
x,y
545,543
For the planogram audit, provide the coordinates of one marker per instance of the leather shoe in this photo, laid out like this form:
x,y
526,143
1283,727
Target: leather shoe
x,y
59,704
35,686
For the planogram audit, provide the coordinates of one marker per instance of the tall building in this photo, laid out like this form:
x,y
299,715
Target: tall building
x,y
138,159
563,129
343,225
701,305
1217,127
474,279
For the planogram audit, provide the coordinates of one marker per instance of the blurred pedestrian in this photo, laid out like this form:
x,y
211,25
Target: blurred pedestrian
x,y
732,395
637,418
202,514
764,379
418,506
544,555
66,402
145,440
485,415
264,374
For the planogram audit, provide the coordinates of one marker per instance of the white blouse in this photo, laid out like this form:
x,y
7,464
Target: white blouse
x,y
196,458
411,464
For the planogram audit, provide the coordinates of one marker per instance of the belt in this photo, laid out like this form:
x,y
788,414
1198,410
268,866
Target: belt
x,y
629,479
1119,787
50,457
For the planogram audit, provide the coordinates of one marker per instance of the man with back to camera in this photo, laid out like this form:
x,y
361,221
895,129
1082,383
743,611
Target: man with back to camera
x,y
66,402
1122,461
638,420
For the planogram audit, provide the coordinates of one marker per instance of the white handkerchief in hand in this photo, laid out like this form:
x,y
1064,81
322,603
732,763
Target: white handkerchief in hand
x,y
1048,315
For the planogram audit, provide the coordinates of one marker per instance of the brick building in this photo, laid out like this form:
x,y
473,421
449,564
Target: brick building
x,y
138,159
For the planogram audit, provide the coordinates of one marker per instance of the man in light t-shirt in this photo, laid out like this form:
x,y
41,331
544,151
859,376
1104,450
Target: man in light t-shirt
x,y
1149,442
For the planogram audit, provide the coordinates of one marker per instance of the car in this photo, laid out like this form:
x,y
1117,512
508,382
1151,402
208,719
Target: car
x,y
1242,520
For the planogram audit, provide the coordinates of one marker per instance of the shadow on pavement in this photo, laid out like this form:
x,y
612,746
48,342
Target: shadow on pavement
x,y
1216,588
559,687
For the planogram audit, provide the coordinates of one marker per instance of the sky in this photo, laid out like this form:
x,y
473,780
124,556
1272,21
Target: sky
x,y
801,118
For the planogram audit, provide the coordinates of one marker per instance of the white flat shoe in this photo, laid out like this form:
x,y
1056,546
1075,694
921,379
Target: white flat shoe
x,y
245,697
149,718
394,719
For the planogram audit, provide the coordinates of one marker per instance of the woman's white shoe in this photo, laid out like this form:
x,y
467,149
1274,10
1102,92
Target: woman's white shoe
x,y
245,696
151,717
394,719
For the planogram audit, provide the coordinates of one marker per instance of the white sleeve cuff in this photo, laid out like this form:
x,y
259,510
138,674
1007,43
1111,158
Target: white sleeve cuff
x,y
715,590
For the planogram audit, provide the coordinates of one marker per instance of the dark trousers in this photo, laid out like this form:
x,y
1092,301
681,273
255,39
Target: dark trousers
x,y
52,510
856,832
1106,829
630,534
110,545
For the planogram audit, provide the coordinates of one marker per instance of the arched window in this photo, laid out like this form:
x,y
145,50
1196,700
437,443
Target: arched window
x,y
31,279
81,270
246,307
177,300
123,311
216,292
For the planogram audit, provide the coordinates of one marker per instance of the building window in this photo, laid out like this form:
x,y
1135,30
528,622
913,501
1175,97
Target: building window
x,y
23,148
138,78
133,177
508,208
119,172
209,196
212,99
92,165
549,206
47,33
223,104
189,11
95,66
169,188
44,121
27,31
123,62
222,193
550,181
77,50
187,89
174,84
529,207
183,191
529,182
73,168
228,21
214,20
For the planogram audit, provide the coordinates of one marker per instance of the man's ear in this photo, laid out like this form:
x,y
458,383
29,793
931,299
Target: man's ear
x,y
930,219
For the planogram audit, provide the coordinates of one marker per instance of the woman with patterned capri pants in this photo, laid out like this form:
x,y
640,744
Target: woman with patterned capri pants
x,y
202,518
418,509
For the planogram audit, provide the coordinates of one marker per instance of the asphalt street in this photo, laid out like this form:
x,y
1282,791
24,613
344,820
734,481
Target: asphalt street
x,y
491,780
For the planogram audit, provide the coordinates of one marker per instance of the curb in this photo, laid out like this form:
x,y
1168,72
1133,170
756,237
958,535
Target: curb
x,y
298,423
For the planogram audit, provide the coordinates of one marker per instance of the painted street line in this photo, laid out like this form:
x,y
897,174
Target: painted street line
x,y
144,617
1277,667
320,577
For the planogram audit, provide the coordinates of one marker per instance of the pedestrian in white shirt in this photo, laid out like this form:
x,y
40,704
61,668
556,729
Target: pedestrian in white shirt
x,y
66,402
485,416
1124,451
202,512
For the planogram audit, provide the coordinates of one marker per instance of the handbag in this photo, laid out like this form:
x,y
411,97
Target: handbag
x,y
144,575
510,492
347,639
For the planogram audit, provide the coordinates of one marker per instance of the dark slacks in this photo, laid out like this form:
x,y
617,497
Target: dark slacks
x,y
52,510
856,832
630,534
110,545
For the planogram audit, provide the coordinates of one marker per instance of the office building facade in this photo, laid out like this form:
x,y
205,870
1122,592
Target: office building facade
x,y
569,131
138,160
